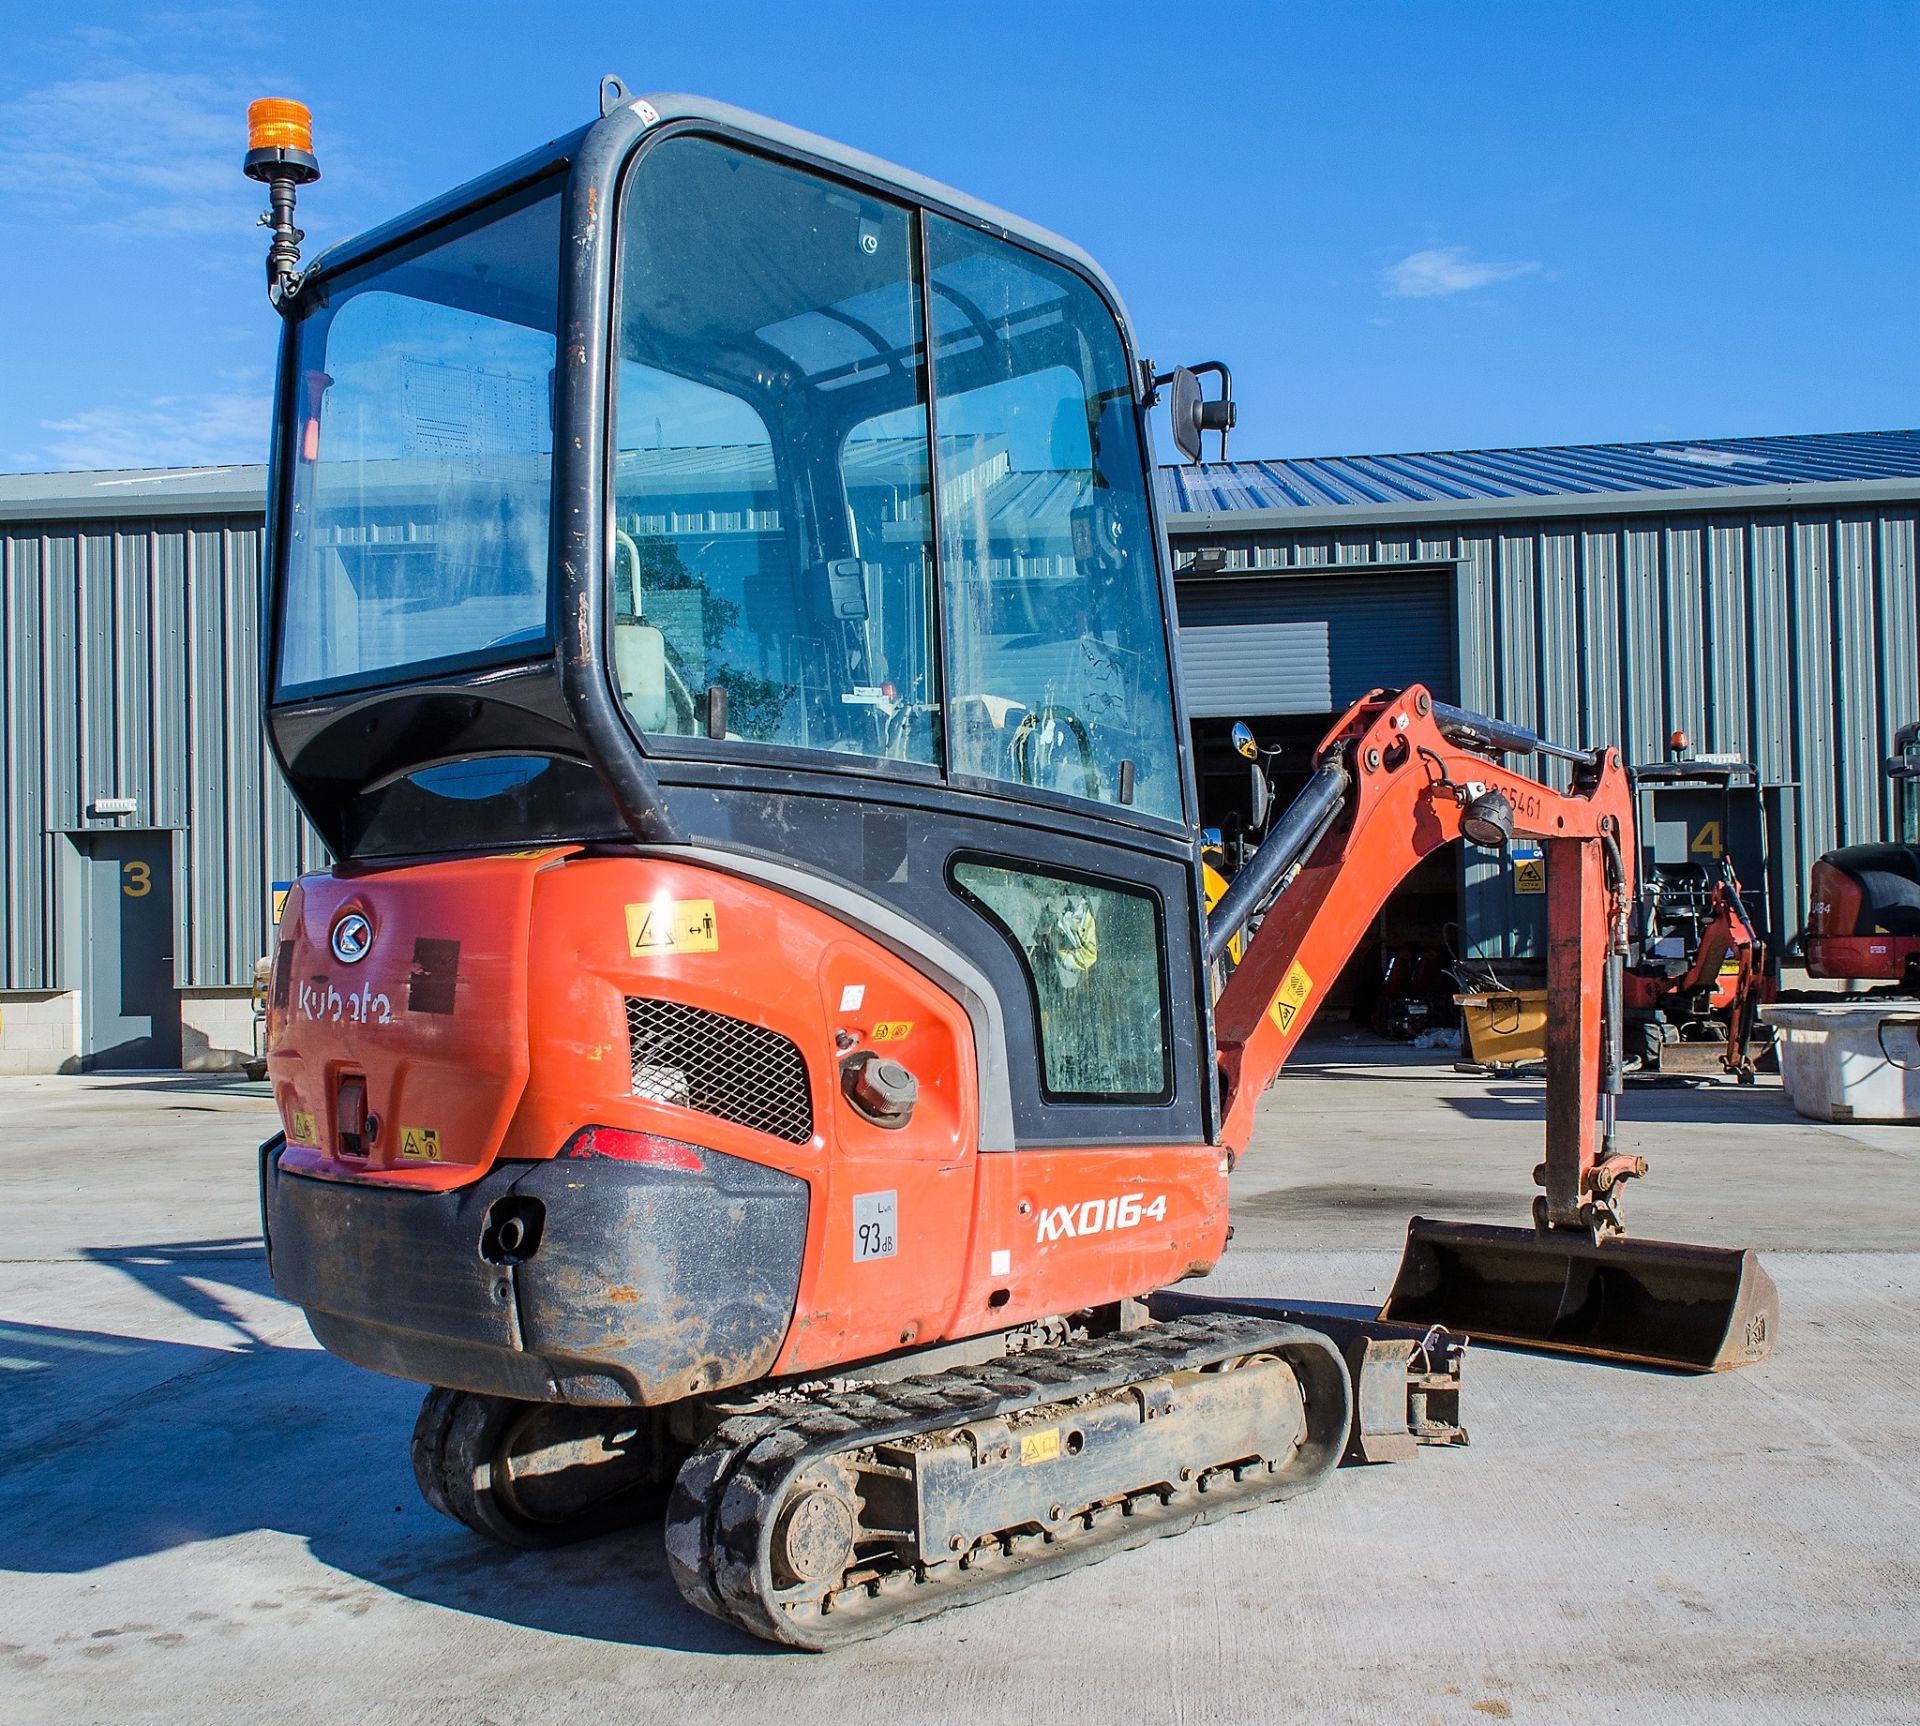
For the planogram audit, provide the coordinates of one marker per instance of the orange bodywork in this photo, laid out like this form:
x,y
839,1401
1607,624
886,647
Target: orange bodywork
x,y
505,1050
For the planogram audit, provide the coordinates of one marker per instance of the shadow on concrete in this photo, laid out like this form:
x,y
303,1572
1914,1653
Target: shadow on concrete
x,y
227,1084
1311,1202
121,1447
1424,1072
1706,1105
187,1274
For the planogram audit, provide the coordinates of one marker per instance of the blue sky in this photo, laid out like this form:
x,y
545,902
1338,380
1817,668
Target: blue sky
x,y
1404,226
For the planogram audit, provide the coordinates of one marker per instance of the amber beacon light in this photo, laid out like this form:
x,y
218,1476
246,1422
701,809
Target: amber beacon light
x,y
280,153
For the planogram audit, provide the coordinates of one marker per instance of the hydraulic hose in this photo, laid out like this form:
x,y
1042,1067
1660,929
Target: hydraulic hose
x,y
1284,845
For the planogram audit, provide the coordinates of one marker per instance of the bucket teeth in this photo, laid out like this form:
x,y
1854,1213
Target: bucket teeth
x,y
1635,1302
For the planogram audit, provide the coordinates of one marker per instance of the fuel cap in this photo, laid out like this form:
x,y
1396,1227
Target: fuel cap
x,y
879,1088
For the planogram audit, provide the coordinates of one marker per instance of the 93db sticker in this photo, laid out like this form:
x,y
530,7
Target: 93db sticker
x,y
875,1231
672,926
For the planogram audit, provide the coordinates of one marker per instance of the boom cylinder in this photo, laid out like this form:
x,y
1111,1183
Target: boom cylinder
x,y
1513,739
1284,846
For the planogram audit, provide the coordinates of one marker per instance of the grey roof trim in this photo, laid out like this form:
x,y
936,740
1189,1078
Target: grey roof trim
x,y
1706,500
132,494
1450,564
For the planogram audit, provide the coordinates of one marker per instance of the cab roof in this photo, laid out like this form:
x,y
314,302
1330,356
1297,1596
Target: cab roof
x,y
666,108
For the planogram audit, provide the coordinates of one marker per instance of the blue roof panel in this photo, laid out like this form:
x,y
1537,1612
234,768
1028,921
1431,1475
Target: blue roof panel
x,y
1569,470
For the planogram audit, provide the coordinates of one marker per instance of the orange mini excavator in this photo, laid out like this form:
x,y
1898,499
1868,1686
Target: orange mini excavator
x,y
755,1053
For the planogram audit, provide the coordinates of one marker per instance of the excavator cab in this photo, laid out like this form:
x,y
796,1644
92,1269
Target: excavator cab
x,y
685,487
718,617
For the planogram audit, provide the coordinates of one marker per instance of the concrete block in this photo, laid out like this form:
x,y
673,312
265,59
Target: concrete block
x,y
216,1030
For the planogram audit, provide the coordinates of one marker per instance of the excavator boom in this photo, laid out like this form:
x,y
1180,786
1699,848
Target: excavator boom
x,y
1400,776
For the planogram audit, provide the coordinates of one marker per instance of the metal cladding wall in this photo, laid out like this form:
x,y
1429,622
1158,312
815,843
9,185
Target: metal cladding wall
x,y
131,669
1787,635
1313,644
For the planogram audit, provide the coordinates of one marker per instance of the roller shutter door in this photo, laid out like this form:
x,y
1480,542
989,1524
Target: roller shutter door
x,y
1312,644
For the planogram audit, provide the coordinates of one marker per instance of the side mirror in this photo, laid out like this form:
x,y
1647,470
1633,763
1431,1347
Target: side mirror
x,y
1243,740
1193,414
1262,797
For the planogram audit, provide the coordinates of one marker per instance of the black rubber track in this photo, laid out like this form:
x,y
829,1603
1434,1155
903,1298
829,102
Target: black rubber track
x,y
733,1487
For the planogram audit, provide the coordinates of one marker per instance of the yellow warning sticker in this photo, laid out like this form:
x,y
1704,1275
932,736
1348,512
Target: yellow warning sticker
x,y
892,1030
1039,1446
422,1144
1295,990
300,1125
672,926
1529,875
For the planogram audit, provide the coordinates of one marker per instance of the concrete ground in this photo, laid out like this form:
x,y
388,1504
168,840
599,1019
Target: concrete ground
x,y
204,1517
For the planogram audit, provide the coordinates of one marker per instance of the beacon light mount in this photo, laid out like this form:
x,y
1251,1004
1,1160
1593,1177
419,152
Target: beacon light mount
x,y
280,155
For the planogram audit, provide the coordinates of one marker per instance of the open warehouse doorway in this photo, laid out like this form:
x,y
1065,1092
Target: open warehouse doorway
x,y
1287,651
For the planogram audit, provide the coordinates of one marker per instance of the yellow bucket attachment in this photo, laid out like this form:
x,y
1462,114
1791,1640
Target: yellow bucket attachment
x,y
1508,1029
1641,1303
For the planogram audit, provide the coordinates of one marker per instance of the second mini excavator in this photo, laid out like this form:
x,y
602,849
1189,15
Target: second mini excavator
x,y
755,1050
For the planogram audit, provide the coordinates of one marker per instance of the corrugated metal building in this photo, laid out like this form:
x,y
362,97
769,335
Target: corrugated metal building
x,y
143,824
1758,593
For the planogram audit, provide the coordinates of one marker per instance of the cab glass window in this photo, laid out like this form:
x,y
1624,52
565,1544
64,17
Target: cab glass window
x,y
423,456
1092,956
772,547
1057,650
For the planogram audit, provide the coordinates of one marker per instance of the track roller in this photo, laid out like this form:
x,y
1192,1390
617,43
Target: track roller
x,y
538,1474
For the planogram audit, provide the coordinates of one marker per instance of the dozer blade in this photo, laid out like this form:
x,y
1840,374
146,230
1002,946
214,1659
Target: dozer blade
x,y
1643,1303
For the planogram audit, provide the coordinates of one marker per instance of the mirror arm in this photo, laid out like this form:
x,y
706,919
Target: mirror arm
x,y
1218,415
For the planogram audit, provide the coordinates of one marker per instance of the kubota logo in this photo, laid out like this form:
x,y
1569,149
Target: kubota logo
x,y
1097,1216
351,939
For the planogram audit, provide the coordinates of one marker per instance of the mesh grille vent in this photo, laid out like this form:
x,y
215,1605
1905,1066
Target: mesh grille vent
x,y
724,1067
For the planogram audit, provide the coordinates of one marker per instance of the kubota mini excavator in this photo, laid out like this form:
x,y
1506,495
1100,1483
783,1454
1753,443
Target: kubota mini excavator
x,y
1863,918
755,1049
1702,965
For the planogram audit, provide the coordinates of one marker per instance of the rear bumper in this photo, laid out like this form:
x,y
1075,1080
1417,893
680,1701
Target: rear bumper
x,y
1865,958
629,1284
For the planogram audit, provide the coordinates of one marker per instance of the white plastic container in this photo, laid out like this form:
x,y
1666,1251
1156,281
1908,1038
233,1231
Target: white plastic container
x,y
1851,1061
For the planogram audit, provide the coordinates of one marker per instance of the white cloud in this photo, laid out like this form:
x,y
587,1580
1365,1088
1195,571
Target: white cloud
x,y
168,431
1448,270
144,153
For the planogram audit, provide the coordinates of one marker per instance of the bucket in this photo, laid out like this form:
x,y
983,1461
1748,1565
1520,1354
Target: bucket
x,y
1642,1303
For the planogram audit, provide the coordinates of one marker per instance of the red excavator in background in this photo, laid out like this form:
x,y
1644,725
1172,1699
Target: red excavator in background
x,y
1703,964
1863,915
754,1057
